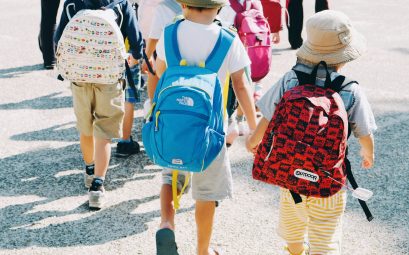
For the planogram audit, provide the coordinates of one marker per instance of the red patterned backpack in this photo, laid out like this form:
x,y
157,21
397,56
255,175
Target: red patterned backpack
x,y
305,142
305,145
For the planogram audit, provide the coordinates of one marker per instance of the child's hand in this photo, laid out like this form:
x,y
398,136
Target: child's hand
x,y
131,61
275,37
250,147
145,68
367,159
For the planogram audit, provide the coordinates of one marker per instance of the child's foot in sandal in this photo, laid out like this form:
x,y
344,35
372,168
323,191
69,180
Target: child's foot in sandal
x,y
165,242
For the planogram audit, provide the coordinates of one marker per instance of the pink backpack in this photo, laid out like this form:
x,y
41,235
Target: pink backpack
x,y
254,32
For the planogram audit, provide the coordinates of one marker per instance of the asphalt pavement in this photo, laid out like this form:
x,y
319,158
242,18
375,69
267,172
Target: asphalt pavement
x,y
43,204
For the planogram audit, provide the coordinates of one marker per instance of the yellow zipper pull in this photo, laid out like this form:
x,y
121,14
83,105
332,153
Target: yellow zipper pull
x,y
148,115
156,121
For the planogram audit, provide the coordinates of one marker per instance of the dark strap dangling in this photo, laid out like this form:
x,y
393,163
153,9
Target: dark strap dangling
x,y
354,185
297,198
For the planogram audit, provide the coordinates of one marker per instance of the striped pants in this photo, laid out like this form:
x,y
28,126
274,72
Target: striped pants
x,y
318,218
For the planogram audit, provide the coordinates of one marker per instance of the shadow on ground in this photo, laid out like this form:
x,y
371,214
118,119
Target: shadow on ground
x,y
280,51
17,71
64,132
50,175
51,101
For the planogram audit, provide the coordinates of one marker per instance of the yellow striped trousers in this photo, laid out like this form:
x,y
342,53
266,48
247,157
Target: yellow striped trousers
x,y
317,219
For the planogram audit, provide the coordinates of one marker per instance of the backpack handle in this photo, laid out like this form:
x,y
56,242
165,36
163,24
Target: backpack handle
x,y
335,85
314,72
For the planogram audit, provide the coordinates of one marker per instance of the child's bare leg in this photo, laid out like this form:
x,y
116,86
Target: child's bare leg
x,y
128,121
204,221
102,156
166,208
87,148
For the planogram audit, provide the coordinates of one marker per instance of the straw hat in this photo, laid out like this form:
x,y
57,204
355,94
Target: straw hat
x,y
204,3
331,38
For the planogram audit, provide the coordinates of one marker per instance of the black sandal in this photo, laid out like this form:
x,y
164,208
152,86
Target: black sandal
x,y
165,242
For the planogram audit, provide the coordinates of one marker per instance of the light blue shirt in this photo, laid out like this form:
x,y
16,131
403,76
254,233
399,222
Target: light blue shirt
x,y
360,115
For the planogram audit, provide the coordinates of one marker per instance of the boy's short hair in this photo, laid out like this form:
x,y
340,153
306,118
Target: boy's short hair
x,y
196,8
331,38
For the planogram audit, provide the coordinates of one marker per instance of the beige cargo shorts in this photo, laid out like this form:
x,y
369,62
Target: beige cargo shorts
x,y
99,109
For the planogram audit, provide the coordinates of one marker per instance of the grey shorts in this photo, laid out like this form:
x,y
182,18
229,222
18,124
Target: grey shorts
x,y
214,184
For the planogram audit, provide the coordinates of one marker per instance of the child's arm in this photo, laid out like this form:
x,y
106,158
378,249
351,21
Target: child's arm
x,y
367,150
150,48
254,139
160,67
130,26
244,97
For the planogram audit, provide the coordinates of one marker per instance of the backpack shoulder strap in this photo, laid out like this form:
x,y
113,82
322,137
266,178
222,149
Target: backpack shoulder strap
x,y
217,56
120,16
303,78
113,4
236,6
354,185
340,82
172,51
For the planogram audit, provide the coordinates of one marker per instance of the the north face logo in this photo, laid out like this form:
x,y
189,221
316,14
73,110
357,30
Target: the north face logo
x,y
186,101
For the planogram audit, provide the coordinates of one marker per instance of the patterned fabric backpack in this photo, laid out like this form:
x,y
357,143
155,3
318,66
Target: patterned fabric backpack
x,y
254,32
185,128
304,146
92,48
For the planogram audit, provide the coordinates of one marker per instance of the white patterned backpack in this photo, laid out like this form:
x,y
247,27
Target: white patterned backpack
x,y
92,48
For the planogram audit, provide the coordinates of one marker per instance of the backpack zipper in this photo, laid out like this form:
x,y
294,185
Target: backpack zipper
x,y
198,115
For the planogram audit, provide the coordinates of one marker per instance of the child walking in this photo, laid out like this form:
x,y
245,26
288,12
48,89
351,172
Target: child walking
x,y
99,108
330,38
196,37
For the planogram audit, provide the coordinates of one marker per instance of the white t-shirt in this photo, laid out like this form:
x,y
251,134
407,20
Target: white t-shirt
x,y
227,15
146,11
196,42
163,16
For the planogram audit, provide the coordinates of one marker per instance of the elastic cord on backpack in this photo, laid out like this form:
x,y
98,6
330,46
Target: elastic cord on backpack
x,y
225,93
176,197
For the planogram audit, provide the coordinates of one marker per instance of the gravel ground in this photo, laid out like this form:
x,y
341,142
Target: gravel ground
x,y
43,205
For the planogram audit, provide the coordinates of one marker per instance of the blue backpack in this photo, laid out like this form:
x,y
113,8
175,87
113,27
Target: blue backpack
x,y
185,127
